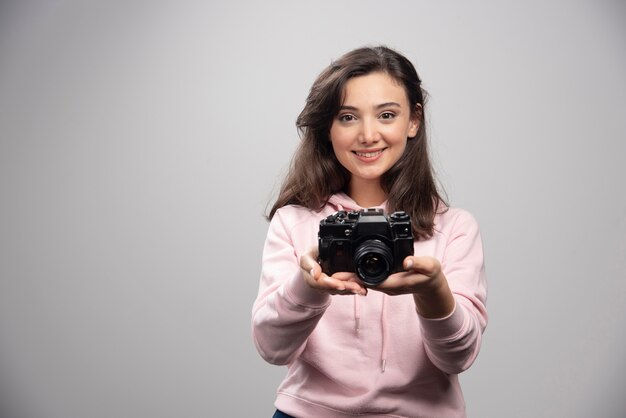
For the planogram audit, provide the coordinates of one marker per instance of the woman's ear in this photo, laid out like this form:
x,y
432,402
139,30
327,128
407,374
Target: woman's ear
x,y
414,123
413,128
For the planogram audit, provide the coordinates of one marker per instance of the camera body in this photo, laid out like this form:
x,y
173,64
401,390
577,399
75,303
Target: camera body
x,y
366,242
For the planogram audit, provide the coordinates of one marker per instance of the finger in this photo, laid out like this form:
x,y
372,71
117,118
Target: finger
x,y
396,282
338,283
317,279
345,276
332,283
425,265
315,272
403,283
307,262
344,286
351,282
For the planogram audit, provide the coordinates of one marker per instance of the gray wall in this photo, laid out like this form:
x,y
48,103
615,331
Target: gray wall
x,y
141,141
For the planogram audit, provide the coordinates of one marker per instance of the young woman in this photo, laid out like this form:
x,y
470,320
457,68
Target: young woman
x,y
393,350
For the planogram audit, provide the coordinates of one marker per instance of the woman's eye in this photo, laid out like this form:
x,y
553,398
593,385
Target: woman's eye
x,y
387,115
346,118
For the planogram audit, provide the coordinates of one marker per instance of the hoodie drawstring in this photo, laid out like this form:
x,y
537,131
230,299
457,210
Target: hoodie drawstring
x,y
357,313
383,320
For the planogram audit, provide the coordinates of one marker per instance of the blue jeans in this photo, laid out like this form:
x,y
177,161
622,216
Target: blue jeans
x,y
279,414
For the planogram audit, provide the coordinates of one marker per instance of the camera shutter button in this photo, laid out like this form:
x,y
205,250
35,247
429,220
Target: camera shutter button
x,y
399,216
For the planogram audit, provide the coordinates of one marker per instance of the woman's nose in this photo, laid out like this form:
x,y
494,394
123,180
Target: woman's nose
x,y
369,132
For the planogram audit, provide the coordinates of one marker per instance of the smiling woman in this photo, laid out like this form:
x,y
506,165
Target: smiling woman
x,y
398,350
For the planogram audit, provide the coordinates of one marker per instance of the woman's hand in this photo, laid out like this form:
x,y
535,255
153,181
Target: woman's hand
x,y
424,279
342,283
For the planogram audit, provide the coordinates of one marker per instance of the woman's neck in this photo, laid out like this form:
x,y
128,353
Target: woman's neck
x,y
367,193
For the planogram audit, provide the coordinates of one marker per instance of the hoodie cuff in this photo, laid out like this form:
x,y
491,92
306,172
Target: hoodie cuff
x,y
443,328
300,293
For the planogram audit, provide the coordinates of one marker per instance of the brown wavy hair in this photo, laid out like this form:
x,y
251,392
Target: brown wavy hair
x,y
315,174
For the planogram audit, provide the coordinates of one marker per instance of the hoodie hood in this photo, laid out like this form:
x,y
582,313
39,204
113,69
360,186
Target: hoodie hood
x,y
342,201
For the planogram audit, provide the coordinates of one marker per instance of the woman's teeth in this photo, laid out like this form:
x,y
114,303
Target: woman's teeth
x,y
368,154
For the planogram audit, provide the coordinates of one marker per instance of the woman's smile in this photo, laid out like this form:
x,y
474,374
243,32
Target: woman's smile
x,y
369,155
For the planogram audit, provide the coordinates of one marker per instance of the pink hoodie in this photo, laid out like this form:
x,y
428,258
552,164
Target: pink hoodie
x,y
368,356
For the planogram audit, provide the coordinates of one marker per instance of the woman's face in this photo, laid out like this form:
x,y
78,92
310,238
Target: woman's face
x,y
370,132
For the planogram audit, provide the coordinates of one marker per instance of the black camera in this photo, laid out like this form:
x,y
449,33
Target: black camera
x,y
365,242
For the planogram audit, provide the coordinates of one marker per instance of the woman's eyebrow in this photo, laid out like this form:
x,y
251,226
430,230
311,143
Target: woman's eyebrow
x,y
388,104
379,106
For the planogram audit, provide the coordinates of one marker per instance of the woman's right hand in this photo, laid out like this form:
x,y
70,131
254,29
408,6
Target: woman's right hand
x,y
341,283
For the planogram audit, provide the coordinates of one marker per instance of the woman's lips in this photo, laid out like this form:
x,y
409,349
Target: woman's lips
x,y
369,155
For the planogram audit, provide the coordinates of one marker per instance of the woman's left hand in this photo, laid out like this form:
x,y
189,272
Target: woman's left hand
x,y
421,275
424,279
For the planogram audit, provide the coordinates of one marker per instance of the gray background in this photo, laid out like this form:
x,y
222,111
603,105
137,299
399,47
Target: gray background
x,y
141,142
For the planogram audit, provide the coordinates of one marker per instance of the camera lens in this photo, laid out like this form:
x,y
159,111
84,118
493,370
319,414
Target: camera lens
x,y
373,260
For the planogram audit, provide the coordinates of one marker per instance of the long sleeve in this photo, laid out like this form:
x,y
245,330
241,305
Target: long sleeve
x,y
286,310
453,343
